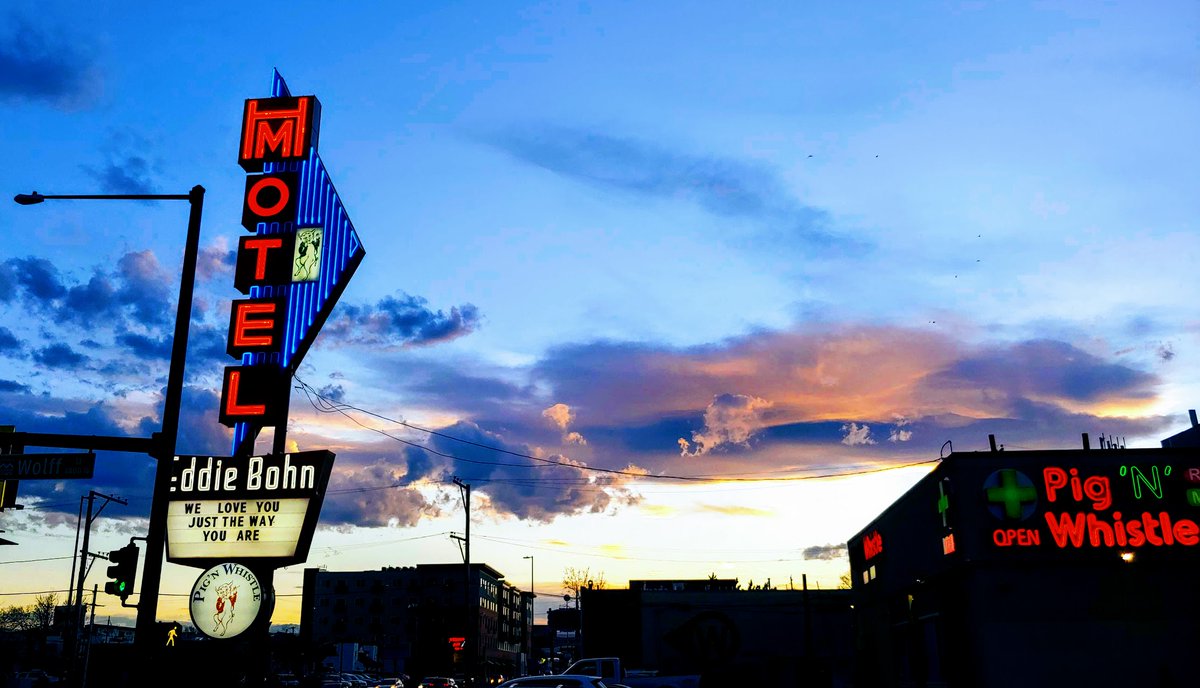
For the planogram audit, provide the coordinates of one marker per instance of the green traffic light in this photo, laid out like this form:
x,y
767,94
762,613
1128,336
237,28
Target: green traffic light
x,y
121,586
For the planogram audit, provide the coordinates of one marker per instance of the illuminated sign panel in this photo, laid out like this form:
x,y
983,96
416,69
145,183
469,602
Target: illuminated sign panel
x,y
270,198
1081,507
252,394
226,599
872,545
263,261
255,325
240,528
295,267
306,260
261,507
278,130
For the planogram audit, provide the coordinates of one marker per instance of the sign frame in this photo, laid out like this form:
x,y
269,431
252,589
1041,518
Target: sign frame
x,y
238,488
79,466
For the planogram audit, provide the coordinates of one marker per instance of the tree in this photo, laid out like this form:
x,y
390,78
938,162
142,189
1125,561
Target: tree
x,y
574,579
43,610
14,618
845,582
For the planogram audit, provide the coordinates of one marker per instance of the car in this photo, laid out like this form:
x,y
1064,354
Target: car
x,y
389,683
555,681
437,682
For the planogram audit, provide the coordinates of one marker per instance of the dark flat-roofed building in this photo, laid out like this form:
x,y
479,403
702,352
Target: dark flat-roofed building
x,y
416,616
1034,568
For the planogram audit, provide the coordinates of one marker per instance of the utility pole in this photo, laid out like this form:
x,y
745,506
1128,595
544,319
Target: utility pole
x,y
91,630
84,563
471,604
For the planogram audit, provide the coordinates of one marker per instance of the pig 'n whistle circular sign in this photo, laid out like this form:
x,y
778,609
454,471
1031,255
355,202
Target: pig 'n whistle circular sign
x,y
226,600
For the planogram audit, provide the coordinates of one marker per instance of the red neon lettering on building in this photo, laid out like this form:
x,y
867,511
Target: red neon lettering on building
x,y
1066,528
1186,532
242,322
1096,488
1074,530
286,139
268,183
1167,537
872,545
1193,475
1021,537
232,407
260,247
1054,479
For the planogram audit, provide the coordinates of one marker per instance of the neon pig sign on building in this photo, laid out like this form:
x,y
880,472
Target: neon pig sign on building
x,y
294,267
1083,511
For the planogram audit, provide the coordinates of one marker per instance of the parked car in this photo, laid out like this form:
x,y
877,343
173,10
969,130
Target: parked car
x,y
389,683
437,682
555,681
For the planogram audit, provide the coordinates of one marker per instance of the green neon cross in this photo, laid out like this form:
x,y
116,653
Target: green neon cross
x,y
943,503
1012,495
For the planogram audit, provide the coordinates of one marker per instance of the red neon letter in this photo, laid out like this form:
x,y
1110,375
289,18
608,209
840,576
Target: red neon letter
x,y
1098,490
242,323
260,247
1186,531
232,407
1065,528
259,186
1149,523
1055,478
287,138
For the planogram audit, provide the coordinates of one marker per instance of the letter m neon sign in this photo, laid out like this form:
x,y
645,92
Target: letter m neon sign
x,y
278,130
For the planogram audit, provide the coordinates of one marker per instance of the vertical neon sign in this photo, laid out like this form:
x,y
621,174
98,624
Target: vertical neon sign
x,y
294,268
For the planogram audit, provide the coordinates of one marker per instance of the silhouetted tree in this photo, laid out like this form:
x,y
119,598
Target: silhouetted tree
x,y
14,618
574,579
43,610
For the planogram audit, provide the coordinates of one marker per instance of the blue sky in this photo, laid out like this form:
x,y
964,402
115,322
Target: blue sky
x,y
768,240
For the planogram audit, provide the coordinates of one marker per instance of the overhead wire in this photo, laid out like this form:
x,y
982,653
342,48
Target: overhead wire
x,y
328,405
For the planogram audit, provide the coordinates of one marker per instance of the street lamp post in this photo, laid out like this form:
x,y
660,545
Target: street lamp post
x,y
531,591
529,621
165,442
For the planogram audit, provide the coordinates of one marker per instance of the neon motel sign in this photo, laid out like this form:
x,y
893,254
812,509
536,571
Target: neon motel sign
x,y
294,266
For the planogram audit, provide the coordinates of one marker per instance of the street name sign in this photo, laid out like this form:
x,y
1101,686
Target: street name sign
x,y
51,466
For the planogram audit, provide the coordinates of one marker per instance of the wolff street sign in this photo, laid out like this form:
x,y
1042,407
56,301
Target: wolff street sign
x,y
50,466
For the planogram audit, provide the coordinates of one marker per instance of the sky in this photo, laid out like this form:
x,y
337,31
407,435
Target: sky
x,y
682,291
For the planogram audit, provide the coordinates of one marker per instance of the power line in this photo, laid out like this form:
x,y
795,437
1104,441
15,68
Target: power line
x,y
621,557
328,405
30,561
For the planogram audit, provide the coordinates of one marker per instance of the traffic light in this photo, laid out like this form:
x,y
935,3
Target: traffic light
x,y
123,571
